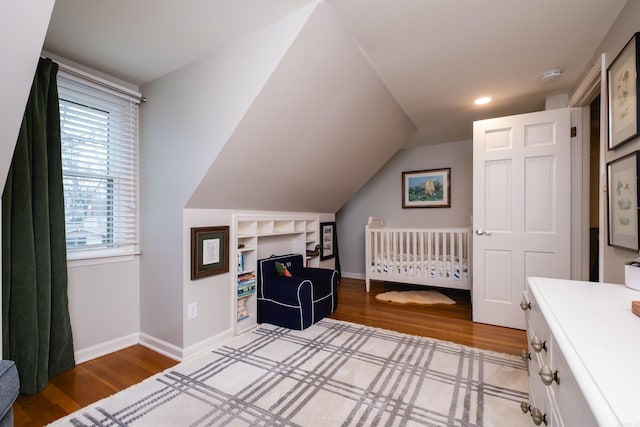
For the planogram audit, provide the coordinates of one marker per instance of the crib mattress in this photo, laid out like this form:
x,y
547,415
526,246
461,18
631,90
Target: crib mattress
x,y
433,269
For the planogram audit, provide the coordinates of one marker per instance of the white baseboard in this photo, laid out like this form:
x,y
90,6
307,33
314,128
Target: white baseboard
x,y
353,275
180,354
105,348
205,346
160,346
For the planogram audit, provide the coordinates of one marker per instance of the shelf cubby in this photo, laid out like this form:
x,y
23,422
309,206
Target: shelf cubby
x,y
259,237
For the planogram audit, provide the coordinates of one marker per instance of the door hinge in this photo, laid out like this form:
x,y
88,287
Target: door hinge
x,y
574,131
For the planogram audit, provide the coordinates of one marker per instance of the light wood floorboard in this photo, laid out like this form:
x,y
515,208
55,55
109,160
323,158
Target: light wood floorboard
x,y
99,378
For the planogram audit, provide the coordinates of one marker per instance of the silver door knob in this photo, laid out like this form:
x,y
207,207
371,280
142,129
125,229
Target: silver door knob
x,y
481,232
524,305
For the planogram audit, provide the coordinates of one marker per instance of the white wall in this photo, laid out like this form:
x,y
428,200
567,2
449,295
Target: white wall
x,y
213,294
104,306
622,30
382,197
189,116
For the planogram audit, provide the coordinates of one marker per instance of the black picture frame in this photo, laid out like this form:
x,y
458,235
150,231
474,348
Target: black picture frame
x,y
622,99
623,196
328,240
209,251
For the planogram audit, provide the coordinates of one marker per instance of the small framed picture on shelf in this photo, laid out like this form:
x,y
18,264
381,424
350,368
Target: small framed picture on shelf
x,y
622,81
622,189
426,188
328,236
209,251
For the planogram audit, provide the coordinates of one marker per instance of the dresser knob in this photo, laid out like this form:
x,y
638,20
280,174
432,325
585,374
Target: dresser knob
x,y
525,355
538,345
538,417
525,407
548,377
525,305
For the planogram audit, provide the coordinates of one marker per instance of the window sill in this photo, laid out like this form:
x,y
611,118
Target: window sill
x,y
86,258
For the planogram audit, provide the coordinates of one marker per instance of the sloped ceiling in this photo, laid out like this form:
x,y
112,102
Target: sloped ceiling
x,y
27,22
355,85
435,56
139,41
321,126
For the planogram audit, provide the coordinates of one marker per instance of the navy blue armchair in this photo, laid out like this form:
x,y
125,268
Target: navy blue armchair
x,y
299,301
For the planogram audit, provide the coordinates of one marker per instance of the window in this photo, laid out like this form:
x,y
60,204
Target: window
x,y
99,132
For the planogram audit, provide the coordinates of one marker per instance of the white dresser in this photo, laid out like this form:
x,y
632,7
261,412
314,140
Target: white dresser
x,y
584,353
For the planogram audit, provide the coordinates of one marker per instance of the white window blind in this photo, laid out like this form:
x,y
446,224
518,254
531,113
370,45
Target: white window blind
x,y
99,132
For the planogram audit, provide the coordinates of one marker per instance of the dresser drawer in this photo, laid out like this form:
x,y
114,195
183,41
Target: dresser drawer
x,y
567,394
538,332
539,396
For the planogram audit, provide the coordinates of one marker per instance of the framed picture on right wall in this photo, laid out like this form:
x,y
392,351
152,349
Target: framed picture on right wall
x,y
622,190
623,101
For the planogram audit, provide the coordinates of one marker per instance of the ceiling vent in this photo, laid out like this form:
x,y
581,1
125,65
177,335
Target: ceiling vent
x,y
550,75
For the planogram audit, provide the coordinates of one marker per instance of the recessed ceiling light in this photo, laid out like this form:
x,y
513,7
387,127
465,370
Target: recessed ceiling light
x,y
483,100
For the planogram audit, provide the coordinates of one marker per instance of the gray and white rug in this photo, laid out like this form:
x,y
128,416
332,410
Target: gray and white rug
x,y
332,374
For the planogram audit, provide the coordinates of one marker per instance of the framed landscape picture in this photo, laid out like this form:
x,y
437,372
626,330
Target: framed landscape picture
x,y
622,189
426,188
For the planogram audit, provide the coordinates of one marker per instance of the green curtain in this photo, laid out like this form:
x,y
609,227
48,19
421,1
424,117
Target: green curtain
x,y
36,330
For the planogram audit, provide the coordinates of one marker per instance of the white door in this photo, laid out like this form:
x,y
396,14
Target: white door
x,y
521,209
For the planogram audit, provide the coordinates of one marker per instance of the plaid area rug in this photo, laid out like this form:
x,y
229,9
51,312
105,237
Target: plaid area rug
x,y
332,374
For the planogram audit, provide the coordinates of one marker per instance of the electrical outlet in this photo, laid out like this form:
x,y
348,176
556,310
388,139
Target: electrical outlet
x,y
192,311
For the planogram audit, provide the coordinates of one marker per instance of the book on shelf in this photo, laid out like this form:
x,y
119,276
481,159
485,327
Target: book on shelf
x,y
246,290
240,261
246,279
242,310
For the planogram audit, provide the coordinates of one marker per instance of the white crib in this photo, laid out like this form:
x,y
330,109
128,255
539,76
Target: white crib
x,y
420,256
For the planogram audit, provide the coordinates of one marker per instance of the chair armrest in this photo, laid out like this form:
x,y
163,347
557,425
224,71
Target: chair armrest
x,y
286,290
321,275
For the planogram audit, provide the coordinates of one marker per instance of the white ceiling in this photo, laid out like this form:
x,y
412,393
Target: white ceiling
x,y
435,56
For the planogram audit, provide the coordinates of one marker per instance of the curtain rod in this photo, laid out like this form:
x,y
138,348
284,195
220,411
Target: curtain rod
x,y
99,81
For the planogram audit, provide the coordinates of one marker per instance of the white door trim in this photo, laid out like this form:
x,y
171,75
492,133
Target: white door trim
x,y
580,198
592,85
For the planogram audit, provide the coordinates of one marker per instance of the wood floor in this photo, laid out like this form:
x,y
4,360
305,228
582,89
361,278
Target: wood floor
x,y
104,376
444,322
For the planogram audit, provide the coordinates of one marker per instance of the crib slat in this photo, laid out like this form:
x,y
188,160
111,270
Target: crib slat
x,y
460,258
422,243
398,254
437,257
414,251
376,250
429,257
452,256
